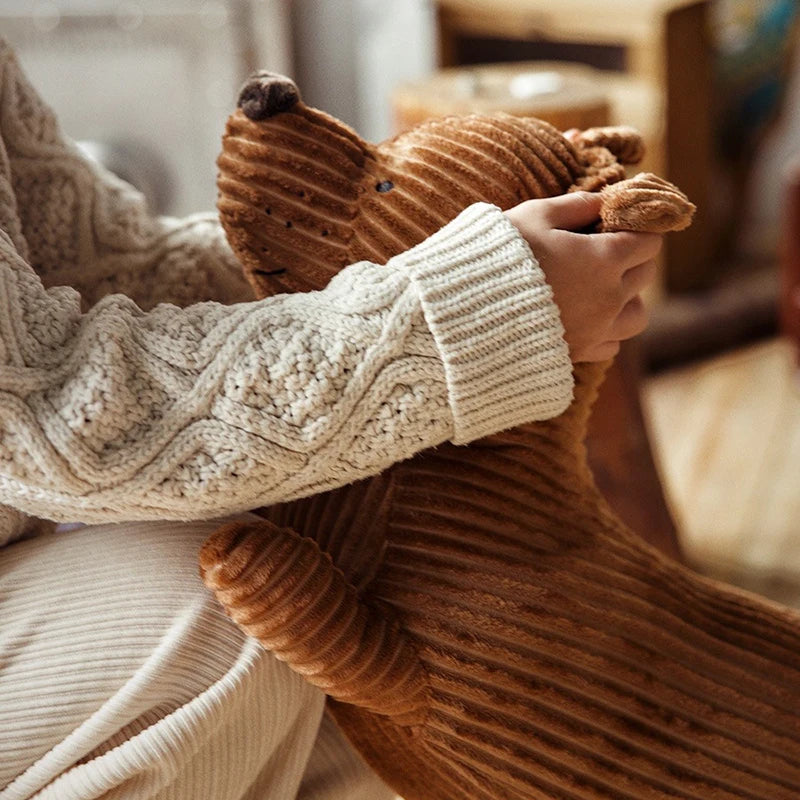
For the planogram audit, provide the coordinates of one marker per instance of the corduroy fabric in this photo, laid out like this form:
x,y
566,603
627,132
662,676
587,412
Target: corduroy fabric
x,y
562,656
558,655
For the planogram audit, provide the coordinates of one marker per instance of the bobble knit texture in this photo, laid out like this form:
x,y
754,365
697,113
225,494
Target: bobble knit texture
x,y
124,413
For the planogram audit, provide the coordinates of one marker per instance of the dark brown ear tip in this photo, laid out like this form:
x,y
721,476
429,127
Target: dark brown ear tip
x,y
265,94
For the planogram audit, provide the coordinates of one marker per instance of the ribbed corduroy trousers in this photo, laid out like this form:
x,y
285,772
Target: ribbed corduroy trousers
x,y
120,677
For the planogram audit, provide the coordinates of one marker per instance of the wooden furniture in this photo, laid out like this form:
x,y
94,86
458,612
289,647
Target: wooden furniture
x,y
620,455
565,95
667,71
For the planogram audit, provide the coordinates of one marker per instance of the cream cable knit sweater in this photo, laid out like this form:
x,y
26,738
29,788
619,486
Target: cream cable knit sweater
x,y
182,413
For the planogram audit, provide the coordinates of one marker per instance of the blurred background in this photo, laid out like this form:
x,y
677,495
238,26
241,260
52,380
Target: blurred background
x,y
696,440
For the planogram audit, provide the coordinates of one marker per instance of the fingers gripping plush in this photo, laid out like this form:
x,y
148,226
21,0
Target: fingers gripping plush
x,y
484,624
596,278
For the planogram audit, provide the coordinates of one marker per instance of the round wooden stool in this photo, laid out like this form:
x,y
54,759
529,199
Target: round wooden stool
x,y
565,95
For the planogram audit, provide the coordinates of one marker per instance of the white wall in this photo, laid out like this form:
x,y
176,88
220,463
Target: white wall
x,y
350,54
154,78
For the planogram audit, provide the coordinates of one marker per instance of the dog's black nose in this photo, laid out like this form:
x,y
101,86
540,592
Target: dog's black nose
x,y
265,94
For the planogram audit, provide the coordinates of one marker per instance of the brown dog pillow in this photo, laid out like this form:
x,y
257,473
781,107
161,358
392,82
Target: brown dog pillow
x,y
483,623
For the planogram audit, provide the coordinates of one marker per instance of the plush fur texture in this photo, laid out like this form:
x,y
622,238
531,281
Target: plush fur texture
x,y
485,625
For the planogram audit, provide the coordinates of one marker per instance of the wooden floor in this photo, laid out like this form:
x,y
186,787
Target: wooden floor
x,y
726,438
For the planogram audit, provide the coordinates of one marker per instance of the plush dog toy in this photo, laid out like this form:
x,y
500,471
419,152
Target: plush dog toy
x,y
484,624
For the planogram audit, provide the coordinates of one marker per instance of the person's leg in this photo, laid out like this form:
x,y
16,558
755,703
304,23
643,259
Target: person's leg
x,y
121,677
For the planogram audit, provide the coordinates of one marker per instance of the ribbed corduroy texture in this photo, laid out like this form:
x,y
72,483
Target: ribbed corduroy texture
x,y
561,656
315,621
120,677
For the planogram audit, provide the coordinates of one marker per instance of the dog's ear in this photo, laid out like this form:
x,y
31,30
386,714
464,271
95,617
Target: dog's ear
x,y
624,143
289,182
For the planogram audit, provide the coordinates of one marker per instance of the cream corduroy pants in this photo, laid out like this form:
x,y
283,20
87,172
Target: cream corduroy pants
x,y
121,678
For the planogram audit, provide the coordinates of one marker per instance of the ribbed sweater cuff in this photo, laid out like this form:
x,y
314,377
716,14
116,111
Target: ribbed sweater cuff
x,y
495,323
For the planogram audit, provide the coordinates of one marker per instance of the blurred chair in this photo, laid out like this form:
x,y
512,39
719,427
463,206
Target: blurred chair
x,y
655,55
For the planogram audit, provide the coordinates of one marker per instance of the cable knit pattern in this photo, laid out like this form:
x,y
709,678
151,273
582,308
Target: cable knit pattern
x,y
120,413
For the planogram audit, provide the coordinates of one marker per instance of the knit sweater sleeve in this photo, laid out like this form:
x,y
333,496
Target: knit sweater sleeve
x,y
188,413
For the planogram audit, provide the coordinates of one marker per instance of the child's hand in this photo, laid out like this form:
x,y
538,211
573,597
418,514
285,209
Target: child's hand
x,y
597,278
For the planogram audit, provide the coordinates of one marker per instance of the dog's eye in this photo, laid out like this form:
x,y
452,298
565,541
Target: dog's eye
x,y
384,186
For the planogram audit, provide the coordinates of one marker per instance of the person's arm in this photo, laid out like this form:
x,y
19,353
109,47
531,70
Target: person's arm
x,y
147,258
79,225
190,413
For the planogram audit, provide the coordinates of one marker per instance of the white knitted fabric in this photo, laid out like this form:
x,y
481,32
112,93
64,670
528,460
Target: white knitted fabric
x,y
117,413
